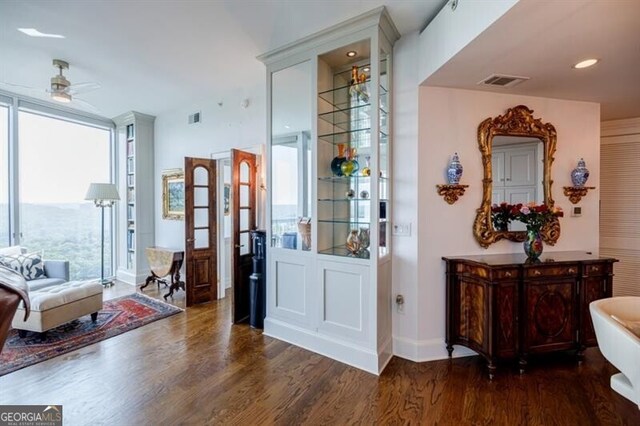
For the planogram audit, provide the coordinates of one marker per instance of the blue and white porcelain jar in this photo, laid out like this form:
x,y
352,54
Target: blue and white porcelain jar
x,y
454,172
580,174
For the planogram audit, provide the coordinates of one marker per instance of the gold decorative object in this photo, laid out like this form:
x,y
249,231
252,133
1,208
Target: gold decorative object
x,y
451,193
173,194
517,121
575,193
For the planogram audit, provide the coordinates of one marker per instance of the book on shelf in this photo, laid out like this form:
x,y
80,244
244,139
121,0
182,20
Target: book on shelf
x,y
130,133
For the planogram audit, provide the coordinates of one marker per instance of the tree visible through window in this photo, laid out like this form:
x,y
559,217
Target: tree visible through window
x,y
58,161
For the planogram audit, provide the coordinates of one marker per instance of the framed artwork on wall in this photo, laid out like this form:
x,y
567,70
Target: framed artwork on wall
x,y
173,194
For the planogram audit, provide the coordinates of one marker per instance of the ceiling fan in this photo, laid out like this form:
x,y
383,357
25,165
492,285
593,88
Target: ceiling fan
x,y
61,89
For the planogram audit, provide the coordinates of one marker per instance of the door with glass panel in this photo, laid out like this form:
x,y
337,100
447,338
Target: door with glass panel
x,y
201,230
243,216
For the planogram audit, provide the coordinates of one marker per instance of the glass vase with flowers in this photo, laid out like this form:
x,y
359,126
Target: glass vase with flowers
x,y
535,217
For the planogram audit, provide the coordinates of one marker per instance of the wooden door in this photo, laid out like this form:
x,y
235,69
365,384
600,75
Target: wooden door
x,y
243,214
200,230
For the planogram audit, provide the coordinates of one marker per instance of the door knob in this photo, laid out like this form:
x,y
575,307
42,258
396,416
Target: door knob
x,y
239,245
190,240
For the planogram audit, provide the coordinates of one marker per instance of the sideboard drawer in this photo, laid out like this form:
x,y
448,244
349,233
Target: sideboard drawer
x,y
551,271
598,269
505,274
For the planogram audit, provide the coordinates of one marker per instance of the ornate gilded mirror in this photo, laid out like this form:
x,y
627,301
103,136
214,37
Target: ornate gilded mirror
x,y
517,154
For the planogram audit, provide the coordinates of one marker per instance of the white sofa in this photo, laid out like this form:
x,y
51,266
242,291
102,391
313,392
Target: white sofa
x,y
617,343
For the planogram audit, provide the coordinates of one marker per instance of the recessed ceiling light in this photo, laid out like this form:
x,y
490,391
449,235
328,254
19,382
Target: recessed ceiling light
x,y
352,53
366,69
32,32
586,63
286,126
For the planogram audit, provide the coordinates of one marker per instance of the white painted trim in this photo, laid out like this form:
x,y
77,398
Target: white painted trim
x,y
344,352
426,350
627,126
129,278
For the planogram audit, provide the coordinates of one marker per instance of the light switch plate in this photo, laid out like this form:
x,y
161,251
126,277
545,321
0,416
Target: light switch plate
x,y
576,211
401,229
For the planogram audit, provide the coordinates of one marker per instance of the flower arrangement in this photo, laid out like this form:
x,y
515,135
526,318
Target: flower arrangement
x,y
533,215
501,216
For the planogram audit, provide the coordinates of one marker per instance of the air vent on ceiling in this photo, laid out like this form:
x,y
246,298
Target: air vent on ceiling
x,y
502,80
194,118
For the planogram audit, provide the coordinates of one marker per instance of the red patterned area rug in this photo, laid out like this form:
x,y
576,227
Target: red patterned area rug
x,y
116,317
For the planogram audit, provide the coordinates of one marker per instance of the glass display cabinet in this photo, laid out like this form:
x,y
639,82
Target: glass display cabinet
x,y
328,192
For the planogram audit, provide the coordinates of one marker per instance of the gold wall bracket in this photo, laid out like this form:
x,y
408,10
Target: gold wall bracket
x,y
575,193
451,193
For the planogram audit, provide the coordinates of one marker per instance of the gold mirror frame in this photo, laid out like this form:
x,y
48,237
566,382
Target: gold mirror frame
x,y
517,121
172,200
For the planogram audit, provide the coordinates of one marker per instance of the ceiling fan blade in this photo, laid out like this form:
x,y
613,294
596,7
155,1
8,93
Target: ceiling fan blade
x,y
84,105
32,91
74,89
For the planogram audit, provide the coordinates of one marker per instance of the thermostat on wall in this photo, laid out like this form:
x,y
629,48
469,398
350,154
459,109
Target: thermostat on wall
x,y
576,211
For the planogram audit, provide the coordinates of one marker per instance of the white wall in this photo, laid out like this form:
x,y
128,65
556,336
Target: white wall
x,y
405,193
222,128
451,30
448,122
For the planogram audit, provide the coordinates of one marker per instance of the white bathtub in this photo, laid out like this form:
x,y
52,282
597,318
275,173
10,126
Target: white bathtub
x,y
619,345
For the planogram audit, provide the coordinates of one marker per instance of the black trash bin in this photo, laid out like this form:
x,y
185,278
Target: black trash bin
x,y
257,280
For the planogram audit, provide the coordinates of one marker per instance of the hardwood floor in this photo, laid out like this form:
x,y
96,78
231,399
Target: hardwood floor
x,y
196,368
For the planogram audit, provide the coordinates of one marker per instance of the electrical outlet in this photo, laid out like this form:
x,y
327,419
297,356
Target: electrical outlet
x,y
402,229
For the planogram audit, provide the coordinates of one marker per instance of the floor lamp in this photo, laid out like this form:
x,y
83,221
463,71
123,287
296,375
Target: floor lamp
x,y
103,195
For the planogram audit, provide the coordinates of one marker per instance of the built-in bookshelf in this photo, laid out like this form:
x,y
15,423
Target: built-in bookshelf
x,y
135,219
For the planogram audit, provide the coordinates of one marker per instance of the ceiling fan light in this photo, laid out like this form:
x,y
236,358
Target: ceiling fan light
x,y
61,97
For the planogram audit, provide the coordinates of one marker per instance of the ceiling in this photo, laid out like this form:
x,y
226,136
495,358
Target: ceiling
x,y
156,56
543,39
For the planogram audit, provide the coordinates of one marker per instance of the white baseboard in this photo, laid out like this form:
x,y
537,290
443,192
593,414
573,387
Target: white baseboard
x,y
129,278
359,357
426,350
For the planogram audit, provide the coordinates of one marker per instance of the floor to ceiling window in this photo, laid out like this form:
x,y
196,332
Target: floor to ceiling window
x,y
4,176
58,159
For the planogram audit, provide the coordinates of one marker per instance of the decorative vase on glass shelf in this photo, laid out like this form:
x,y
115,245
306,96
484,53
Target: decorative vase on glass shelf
x,y
535,217
350,166
338,160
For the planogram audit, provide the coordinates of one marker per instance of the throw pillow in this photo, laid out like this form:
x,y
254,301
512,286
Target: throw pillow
x,y
30,266
632,326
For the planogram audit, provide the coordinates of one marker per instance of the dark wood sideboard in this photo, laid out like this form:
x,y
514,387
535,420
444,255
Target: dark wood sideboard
x,y
504,307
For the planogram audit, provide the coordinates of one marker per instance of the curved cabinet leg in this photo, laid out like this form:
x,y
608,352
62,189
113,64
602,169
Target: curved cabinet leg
x,y
580,353
491,366
450,350
522,363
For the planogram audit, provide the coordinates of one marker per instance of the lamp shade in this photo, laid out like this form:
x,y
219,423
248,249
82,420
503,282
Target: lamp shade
x,y
102,192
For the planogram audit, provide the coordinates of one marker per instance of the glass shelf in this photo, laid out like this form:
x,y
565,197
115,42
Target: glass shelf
x,y
348,179
342,251
346,220
344,200
352,137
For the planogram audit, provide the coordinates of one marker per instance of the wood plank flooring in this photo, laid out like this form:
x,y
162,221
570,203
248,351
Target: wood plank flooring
x,y
196,368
